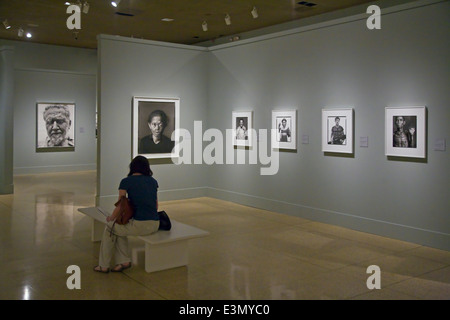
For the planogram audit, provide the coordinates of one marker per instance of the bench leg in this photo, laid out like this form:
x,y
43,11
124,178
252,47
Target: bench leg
x,y
97,230
166,255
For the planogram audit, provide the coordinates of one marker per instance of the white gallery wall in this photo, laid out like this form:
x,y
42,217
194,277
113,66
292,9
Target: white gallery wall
x,y
136,68
45,73
328,65
58,87
6,119
344,65
332,64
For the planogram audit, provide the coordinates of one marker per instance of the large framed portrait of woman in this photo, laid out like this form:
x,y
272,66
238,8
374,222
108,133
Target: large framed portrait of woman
x,y
156,123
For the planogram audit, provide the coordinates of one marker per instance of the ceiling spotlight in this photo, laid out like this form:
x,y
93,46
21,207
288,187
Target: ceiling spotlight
x,y
85,7
29,35
115,3
254,13
204,26
20,32
227,19
6,24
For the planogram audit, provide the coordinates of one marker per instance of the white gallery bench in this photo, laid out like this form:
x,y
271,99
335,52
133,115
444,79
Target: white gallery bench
x,y
163,249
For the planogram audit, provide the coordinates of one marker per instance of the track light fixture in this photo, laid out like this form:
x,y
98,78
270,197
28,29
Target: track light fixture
x,y
254,13
227,19
85,7
6,24
115,3
204,26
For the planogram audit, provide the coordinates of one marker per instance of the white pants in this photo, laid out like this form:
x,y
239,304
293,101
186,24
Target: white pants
x,y
117,243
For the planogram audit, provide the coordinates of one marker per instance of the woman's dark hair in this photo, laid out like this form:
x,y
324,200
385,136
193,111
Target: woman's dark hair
x,y
140,165
160,113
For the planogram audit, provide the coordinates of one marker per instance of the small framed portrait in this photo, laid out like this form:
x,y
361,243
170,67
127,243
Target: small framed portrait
x,y
156,123
405,132
337,130
55,123
242,124
284,129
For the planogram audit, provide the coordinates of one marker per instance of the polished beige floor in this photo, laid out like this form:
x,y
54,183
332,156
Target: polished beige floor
x,y
250,254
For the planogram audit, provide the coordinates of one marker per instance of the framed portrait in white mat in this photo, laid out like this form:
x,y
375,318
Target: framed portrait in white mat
x,y
405,134
284,129
55,126
156,123
337,130
242,124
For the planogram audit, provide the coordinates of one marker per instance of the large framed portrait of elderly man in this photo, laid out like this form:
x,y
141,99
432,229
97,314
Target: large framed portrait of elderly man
x,y
405,132
55,123
156,124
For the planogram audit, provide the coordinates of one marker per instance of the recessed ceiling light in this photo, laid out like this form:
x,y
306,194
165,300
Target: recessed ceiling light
x,y
29,35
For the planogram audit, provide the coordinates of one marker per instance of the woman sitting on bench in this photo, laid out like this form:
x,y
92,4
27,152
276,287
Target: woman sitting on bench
x,y
142,191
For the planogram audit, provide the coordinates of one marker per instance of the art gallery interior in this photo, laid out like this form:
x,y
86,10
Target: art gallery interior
x,y
316,224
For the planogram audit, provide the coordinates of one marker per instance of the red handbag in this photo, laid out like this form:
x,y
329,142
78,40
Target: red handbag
x,y
126,210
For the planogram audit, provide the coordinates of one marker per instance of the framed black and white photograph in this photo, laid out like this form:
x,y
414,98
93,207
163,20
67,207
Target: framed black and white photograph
x,y
156,123
405,132
242,124
337,130
55,123
284,129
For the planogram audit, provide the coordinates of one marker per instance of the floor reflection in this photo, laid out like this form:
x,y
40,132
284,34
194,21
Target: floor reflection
x,y
281,292
54,216
26,293
239,282
250,253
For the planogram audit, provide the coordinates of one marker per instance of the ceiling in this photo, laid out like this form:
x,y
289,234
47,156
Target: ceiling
x,y
47,19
